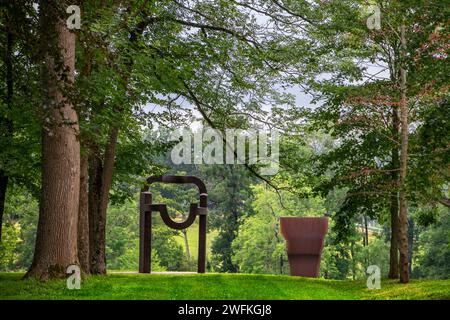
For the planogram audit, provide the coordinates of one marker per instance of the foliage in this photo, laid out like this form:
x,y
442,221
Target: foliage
x,y
230,197
259,246
356,88
376,253
19,118
122,249
8,255
434,249
21,221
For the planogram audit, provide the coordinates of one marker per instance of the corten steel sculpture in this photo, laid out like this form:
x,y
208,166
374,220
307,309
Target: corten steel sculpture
x,y
147,207
304,243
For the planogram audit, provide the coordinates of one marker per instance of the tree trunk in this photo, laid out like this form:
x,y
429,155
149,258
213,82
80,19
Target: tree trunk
x,y
366,240
186,244
282,266
403,214
56,240
445,201
102,172
395,163
6,123
3,187
366,232
410,243
95,174
352,252
83,216
83,213
100,195
393,253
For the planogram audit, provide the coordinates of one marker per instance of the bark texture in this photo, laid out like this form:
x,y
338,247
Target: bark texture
x,y
410,243
102,172
393,253
83,218
95,173
56,241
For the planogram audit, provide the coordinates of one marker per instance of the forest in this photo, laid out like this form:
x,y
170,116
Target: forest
x,y
358,92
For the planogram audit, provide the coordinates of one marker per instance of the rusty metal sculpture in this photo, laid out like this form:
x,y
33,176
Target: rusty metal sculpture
x,y
304,243
147,207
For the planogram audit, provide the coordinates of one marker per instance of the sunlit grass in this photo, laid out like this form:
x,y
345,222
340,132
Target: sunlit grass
x,y
216,286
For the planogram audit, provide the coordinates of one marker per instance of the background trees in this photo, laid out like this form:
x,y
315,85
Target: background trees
x,y
370,95
19,130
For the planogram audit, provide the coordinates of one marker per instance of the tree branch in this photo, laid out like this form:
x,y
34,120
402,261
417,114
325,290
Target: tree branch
x,y
445,201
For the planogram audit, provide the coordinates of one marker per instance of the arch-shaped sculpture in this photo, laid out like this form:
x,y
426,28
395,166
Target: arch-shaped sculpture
x,y
147,207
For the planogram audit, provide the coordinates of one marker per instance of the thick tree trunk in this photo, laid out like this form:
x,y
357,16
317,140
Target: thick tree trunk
x,y
83,216
56,241
403,214
102,176
395,163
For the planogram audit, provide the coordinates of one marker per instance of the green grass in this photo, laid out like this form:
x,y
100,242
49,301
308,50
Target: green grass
x,y
216,286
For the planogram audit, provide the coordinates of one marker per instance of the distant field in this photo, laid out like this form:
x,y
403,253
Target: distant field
x,y
216,286
192,234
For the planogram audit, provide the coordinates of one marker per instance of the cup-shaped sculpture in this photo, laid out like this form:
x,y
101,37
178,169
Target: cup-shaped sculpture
x,y
304,243
147,207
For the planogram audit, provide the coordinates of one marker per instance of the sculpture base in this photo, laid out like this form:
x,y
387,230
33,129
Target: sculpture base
x,y
303,265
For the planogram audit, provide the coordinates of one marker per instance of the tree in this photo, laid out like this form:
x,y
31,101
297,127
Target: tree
x,y
19,92
229,196
56,242
107,92
434,254
21,211
368,111
430,155
6,124
404,137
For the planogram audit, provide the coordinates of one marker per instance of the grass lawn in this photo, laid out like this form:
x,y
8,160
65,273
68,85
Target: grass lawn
x,y
216,286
